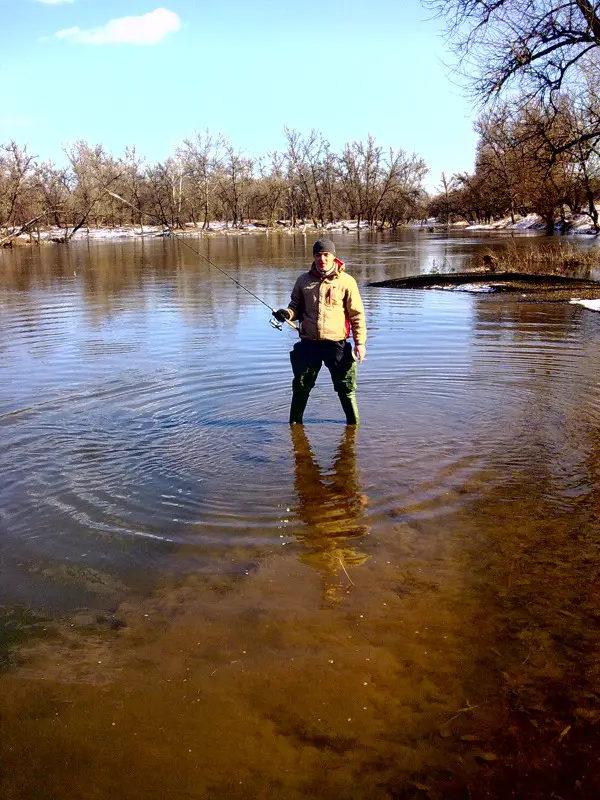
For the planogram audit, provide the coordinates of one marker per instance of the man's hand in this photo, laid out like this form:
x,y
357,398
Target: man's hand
x,y
360,351
282,314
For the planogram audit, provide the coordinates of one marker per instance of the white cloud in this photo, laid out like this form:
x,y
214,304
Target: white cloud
x,y
147,29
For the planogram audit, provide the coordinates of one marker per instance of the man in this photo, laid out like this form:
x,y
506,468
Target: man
x,y
327,303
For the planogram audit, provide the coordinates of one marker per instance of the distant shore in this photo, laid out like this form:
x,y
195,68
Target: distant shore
x,y
54,235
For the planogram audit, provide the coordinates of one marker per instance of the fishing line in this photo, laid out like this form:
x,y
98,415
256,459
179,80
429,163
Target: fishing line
x,y
198,253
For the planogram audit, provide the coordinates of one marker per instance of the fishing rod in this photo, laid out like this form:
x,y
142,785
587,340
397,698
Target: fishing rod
x,y
198,253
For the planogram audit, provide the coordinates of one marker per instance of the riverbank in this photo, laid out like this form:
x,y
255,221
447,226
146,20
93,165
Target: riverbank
x,y
59,235
577,225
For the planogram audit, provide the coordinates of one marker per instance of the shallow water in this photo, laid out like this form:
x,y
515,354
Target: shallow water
x,y
200,602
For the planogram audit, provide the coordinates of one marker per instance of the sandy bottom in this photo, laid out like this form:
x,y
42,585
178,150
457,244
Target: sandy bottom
x,y
462,670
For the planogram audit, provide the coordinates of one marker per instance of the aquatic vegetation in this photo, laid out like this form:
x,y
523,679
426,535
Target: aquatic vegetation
x,y
553,258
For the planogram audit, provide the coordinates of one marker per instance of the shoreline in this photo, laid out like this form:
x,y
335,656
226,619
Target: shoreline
x,y
56,235
532,224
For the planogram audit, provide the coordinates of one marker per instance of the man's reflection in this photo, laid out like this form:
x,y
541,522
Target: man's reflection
x,y
331,506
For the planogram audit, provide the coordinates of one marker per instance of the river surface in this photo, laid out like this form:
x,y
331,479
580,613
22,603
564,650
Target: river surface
x,y
198,601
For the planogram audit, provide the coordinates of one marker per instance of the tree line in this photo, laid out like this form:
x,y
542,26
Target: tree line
x,y
522,168
534,67
208,179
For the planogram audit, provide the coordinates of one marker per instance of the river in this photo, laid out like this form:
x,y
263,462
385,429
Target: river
x,y
199,602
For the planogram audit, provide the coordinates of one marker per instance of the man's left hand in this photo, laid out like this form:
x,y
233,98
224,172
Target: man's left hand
x,y
360,351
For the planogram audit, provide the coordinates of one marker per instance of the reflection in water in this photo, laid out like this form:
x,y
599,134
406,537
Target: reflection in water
x,y
331,506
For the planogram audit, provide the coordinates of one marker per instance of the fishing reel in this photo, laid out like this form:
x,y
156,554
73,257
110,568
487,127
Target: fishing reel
x,y
276,324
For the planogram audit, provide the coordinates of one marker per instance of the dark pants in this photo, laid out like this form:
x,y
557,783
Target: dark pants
x,y
307,358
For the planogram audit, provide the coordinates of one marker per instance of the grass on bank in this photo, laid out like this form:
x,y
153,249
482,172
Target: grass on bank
x,y
543,259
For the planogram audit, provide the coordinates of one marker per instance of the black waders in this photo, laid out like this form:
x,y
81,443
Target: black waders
x,y
350,407
299,401
307,358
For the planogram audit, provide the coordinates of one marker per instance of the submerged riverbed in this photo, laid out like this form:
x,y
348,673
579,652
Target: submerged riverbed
x,y
200,602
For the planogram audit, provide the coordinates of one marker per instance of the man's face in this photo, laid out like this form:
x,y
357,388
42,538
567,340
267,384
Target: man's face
x,y
324,261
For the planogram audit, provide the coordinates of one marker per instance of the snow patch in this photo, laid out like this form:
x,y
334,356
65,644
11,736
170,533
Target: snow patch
x,y
592,305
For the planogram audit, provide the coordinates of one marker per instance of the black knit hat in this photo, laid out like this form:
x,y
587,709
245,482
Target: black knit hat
x,y
323,246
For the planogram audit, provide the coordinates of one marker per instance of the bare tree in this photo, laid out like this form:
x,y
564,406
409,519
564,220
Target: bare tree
x,y
358,166
132,186
202,157
520,165
233,183
311,163
83,185
160,180
17,169
271,188
447,188
52,185
535,43
208,177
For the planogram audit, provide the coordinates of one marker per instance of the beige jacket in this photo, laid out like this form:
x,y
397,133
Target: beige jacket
x,y
328,308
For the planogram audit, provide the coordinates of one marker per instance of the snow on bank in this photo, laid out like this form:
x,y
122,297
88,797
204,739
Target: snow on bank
x,y
593,305
56,234
579,224
472,288
532,222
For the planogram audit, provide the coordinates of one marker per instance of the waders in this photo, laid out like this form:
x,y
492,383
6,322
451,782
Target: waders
x,y
307,358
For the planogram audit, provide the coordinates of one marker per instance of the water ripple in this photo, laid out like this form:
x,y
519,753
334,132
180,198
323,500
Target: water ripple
x,y
149,418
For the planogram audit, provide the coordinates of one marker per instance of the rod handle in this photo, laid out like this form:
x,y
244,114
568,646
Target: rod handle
x,y
289,322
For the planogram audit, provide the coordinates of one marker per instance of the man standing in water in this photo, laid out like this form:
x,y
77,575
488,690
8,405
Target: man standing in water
x,y
327,303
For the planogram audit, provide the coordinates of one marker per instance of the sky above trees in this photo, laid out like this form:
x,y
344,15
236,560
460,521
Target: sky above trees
x,y
130,73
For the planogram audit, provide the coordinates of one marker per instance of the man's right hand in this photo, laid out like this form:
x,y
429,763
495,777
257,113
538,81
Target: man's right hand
x,y
282,314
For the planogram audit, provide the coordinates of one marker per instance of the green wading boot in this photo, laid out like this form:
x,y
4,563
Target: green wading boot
x,y
299,401
350,407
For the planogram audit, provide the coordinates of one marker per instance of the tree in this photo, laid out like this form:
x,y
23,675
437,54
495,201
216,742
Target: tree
x,y
17,169
448,187
91,172
202,157
52,185
132,186
207,178
519,165
161,179
535,43
234,181
495,160
310,161
381,188
270,187
360,168
398,189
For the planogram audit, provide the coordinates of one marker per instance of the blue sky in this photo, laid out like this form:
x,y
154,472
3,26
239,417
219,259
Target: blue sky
x,y
137,73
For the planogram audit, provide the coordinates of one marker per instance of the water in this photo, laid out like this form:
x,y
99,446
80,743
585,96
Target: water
x,y
321,611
